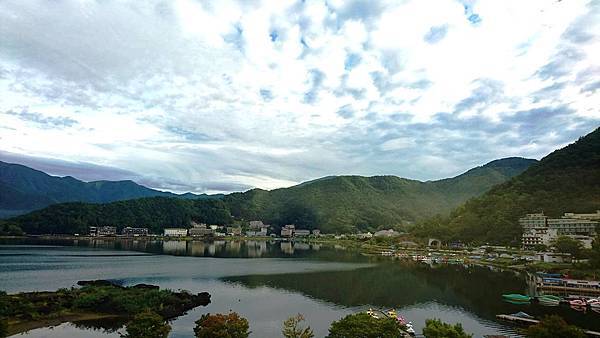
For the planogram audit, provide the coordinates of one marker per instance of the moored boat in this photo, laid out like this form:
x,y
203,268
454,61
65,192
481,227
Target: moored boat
x,y
516,297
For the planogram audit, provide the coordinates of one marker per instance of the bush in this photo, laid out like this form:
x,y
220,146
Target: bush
x,y
435,328
3,327
554,326
222,326
361,325
147,324
292,329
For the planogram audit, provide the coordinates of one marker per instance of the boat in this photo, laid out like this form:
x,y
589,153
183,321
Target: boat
x,y
577,302
410,329
592,301
515,297
595,306
522,314
549,300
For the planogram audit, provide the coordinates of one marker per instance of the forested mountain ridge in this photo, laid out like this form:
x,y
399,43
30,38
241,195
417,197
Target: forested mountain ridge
x,y
350,203
332,204
23,189
566,180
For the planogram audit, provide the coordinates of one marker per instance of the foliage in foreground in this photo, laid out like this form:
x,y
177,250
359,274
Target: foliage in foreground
x,y
222,326
361,325
435,328
3,327
292,328
147,324
554,326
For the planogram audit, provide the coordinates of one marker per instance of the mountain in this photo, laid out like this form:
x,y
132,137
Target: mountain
x,y
567,180
332,204
23,189
347,203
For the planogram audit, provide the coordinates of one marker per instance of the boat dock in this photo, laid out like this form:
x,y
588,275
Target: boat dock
x,y
528,321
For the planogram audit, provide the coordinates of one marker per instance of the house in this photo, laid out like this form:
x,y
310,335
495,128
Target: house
x,y
554,257
175,232
103,231
134,232
386,233
316,232
256,224
234,231
364,235
301,233
288,230
201,232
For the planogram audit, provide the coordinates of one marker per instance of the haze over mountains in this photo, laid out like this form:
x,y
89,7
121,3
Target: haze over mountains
x,y
23,189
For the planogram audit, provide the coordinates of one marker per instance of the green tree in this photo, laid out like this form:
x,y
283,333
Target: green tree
x,y
292,329
595,254
435,328
147,324
568,245
554,326
361,325
3,327
222,326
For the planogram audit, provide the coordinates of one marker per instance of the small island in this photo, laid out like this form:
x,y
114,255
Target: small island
x,y
97,299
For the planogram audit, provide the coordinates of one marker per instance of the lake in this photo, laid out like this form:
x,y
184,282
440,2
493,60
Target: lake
x,y
268,281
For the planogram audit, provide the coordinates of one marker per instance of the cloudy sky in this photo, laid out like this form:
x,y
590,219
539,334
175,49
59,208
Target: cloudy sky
x,y
219,96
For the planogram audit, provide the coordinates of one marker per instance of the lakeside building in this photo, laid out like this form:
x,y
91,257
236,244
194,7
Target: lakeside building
x,y
386,233
234,231
130,231
364,235
103,231
539,229
288,230
301,233
176,232
316,232
201,232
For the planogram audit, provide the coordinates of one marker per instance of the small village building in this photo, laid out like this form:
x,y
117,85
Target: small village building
x,y
234,231
555,257
301,233
201,232
103,231
134,232
175,232
365,235
316,232
288,230
387,233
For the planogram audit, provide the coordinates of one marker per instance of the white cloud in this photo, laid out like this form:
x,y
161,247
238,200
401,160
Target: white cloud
x,y
271,93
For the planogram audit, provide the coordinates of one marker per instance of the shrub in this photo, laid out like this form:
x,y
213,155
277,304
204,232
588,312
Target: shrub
x,y
222,326
554,326
292,329
147,324
362,325
435,328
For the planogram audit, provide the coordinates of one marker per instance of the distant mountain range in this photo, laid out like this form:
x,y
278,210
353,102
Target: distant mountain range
x,y
567,180
333,203
23,189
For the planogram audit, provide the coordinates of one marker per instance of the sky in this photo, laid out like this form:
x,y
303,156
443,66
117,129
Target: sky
x,y
221,96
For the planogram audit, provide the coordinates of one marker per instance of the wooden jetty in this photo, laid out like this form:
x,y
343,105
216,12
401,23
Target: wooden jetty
x,y
529,321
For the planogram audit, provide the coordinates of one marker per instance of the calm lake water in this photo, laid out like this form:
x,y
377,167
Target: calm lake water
x,y
266,282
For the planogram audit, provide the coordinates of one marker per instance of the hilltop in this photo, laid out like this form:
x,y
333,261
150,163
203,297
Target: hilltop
x,y
566,180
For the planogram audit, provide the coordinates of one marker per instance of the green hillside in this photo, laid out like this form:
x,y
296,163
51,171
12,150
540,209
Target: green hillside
x,y
23,189
155,213
350,203
567,180
332,204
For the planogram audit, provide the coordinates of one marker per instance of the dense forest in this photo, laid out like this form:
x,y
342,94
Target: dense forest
x,y
567,180
155,213
332,204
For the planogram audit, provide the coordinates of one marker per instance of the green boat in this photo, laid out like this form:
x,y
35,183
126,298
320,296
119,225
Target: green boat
x,y
515,297
549,299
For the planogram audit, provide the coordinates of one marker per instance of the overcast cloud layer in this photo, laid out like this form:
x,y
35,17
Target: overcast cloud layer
x,y
220,96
